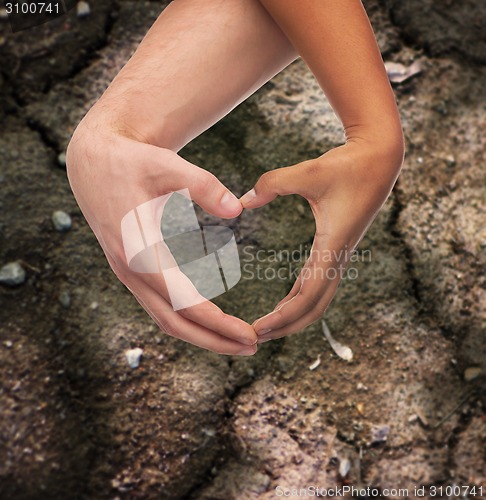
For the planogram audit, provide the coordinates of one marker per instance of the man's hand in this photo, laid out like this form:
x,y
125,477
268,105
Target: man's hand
x,y
110,175
345,189
197,62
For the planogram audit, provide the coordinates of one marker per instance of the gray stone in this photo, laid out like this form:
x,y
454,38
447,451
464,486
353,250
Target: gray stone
x,y
61,160
65,299
344,467
379,434
133,357
12,274
61,220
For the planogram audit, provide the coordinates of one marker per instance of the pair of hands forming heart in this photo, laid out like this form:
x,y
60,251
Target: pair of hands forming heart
x,y
110,174
197,62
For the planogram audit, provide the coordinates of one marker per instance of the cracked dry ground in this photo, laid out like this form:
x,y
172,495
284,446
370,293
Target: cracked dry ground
x,y
77,422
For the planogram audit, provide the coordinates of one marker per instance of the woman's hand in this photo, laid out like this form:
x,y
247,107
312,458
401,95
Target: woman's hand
x,y
345,188
110,175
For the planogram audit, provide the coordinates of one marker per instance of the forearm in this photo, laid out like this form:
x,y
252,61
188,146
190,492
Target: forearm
x,y
197,62
336,40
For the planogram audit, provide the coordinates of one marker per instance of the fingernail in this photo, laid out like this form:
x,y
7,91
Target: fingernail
x,y
263,340
248,197
247,351
230,202
264,331
247,341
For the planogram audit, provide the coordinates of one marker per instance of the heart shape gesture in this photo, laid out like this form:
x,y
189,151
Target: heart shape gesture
x,y
345,188
197,62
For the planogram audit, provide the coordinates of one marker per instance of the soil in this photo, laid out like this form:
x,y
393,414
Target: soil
x,y
77,422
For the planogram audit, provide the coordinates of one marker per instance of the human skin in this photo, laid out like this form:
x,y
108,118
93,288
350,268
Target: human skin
x,y
346,186
198,61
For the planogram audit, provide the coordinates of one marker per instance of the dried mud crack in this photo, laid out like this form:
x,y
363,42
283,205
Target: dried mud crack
x,y
76,421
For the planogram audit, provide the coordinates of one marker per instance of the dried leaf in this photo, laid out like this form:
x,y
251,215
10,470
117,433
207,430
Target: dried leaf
x,y
398,73
342,351
316,363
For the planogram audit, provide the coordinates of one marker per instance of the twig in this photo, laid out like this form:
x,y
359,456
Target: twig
x,y
449,415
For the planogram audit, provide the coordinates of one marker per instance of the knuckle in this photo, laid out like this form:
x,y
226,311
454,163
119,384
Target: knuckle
x,y
268,181
118,256
312,169
314,315
167,326
207,184
315,301
121,272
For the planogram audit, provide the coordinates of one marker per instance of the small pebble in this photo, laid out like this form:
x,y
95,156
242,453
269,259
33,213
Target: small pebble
x,y
133,357
12,274
61,220
93,306
65,299
82,9
3,13
379,434
344,467
61,160
471,373
450,160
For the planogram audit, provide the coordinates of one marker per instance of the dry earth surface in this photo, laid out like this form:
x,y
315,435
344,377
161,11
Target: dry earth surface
x,y
77,422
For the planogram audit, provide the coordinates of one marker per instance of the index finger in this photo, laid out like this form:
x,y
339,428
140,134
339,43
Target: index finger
x,y
320,276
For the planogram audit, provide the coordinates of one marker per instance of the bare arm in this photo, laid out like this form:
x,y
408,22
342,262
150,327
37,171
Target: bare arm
x,y
347,186
199,60
336,40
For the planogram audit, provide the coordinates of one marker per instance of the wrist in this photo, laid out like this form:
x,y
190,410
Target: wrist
x,y
385,148
113,116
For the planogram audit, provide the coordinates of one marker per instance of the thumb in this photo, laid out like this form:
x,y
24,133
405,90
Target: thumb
x,y
212,195
204,188
281,181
